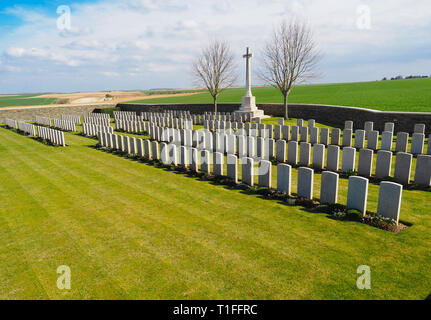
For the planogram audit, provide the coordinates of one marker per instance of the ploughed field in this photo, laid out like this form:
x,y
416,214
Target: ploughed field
x,y
129,230
411,95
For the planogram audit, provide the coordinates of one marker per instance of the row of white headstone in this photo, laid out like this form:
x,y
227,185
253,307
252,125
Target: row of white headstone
x,y
300,154
131,126
62,124
100,120
402,171
388,126
327,136
200,160
56,137
127,115
66,125
390,193
43,121
23,126
98,116
27,128
11,123
197,118
92,130
73,118
166,113
140,126
228,116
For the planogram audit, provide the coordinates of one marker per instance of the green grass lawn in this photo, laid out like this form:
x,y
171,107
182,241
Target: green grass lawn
x,y
130,230
413,95
25,100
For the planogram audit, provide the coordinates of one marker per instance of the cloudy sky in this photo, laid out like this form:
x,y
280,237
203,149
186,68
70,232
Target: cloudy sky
x,y
142,44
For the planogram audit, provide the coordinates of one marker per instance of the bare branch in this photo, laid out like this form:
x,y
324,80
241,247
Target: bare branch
x,y
214,68
290,57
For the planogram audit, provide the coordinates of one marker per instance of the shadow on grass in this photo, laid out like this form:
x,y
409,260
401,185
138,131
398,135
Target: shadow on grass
x,y
428,298
333,211
38,139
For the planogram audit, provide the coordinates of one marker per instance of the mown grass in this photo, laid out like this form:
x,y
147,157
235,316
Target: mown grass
x,y
130,230
412,95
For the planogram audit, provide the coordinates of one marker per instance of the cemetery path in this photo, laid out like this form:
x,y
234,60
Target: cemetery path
x,y
129,230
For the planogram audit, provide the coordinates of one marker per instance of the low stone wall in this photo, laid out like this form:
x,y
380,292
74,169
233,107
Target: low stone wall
x,y
29,113
331,115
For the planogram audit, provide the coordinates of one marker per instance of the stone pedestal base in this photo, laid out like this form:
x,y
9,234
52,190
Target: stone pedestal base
x,y
249,107
248,103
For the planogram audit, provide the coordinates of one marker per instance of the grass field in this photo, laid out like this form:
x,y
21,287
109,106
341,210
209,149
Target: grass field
x,y
25,100
130,230
413,95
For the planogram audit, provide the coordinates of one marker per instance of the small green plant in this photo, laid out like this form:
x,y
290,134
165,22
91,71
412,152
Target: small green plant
x,y
354,215
350,173
290,201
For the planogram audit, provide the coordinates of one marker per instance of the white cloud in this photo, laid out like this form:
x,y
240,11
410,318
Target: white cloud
x,y
15,52
153,41
110,74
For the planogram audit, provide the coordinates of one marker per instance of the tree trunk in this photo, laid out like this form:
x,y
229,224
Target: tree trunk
x,y
286,108
215,104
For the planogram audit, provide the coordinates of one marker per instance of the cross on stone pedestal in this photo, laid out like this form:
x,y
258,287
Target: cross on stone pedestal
x,y
248,105
248,56
248,101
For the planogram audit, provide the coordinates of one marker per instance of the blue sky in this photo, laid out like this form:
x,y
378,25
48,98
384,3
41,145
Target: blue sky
x,y
140,44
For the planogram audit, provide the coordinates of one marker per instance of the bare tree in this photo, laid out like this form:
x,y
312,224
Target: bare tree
x,y
214,69
289,58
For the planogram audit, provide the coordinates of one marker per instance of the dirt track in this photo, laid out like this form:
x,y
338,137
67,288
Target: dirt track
x,y
89,98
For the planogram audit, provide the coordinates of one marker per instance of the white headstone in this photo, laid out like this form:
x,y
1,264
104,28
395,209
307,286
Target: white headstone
x,y
365,162
403,166
305,182
333,160
324,136
402,142
284,178
418,140
205,161
389,205
265,173
329,187
360,139
387,140
349,157
383,164
218,163
247,171
373,140
357,194
292,152
232,167
423,170
305,154
318,156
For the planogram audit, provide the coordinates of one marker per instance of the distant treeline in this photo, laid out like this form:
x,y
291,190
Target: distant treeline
x,y
408,77
169,91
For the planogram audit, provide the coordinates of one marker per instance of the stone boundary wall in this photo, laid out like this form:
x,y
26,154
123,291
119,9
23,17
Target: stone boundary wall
x,y
29,113
327,114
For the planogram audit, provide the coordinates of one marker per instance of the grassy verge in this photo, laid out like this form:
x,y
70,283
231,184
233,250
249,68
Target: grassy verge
x,y
412,95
